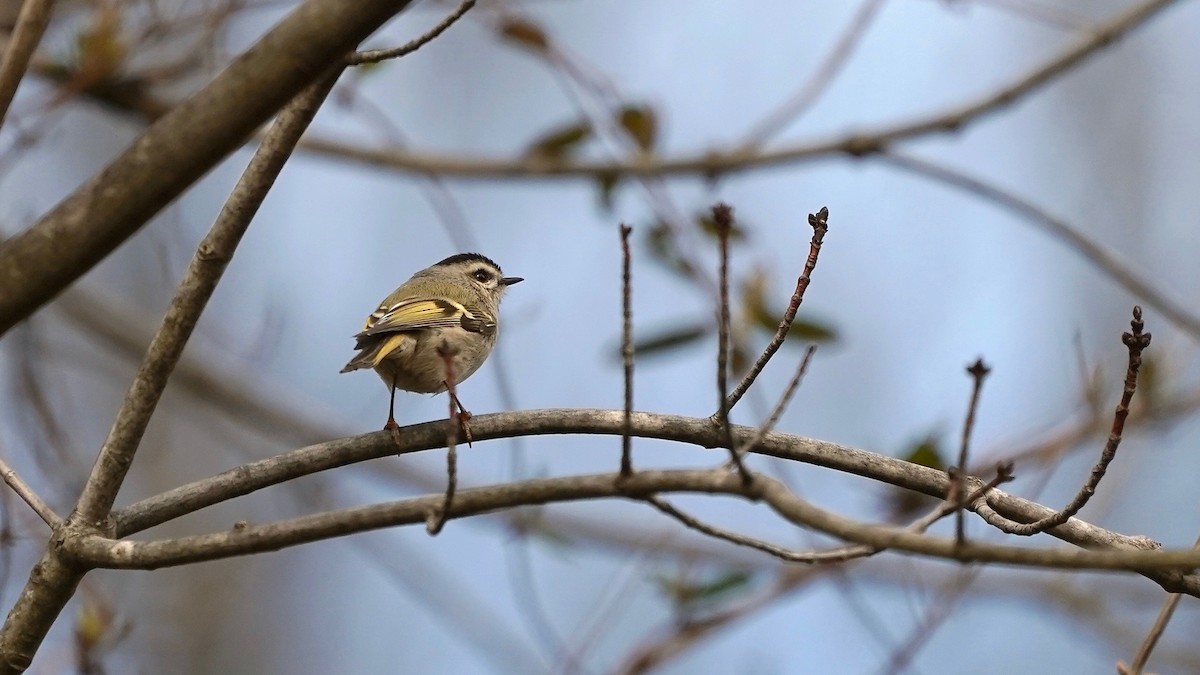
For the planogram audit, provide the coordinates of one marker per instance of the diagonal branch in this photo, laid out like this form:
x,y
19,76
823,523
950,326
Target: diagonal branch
x,y
199,282
178,149
1136,341
31,24
53,579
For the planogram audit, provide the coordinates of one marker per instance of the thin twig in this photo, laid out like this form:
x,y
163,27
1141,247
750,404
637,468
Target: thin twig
x,y
437,519
723,217
834,555
377,55
1160,625
627,349
1075,240
978,372
1136,341
31,24
820,224
209,263
816,85
33,499
768,426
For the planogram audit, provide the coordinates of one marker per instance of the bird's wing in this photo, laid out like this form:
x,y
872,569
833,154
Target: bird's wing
x,y
415,314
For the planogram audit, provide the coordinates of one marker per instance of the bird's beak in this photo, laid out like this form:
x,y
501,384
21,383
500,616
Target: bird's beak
x,y
509,281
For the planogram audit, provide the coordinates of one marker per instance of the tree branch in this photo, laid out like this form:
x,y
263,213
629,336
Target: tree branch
x,y
178,149
31,24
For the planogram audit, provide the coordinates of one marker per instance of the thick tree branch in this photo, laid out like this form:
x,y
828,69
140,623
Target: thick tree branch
x,y
697,431
178,149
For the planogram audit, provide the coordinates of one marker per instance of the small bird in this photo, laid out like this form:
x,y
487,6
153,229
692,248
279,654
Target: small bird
x,y
445,316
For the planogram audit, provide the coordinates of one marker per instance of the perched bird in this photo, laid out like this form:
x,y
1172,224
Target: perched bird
x,y
442,322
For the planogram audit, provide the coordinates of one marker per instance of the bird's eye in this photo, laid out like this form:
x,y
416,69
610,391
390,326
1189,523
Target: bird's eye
x,y
482,275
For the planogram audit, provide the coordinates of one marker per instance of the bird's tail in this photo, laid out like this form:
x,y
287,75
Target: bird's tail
x,y
374,351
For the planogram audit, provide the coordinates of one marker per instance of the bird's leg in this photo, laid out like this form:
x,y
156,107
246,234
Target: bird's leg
x,y
464,416
391,423
391,426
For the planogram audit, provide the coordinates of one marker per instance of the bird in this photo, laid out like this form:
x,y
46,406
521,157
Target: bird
x,y
435,330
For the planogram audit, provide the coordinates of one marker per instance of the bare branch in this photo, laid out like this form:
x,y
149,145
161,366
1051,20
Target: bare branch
x,y
199,282
716,162
820,224
178,149
1162,565
32,498
377,55
723,217
769,425
627,348
978,372
437,518
1136,342
31,24
53,581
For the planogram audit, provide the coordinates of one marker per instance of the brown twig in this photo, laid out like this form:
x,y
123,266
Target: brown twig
x,y
723,217
627,348
978,372
834,555
33,499
377,55
27,33
1135,341
820,224
768,426
437,518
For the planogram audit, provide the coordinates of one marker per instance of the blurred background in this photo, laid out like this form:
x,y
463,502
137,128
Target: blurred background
x,y
926,267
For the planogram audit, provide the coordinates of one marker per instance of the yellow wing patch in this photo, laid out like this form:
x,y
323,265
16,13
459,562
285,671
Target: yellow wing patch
x,y
414,315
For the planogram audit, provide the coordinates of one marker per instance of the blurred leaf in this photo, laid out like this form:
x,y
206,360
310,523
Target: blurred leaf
x,y
525,34
709,226
607,184
684,592
667,340
660,241
560,141
754,304
641,122
903,505
101,48
928,452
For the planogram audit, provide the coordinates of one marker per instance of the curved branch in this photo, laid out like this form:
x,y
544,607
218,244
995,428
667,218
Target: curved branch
x,y
696,431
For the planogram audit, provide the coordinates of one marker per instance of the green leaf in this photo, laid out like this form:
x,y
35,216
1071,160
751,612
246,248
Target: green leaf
x,y
927,452
754,304
905,504
559,142
607,184
671,339
641,123
686,592
660,242
525,34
